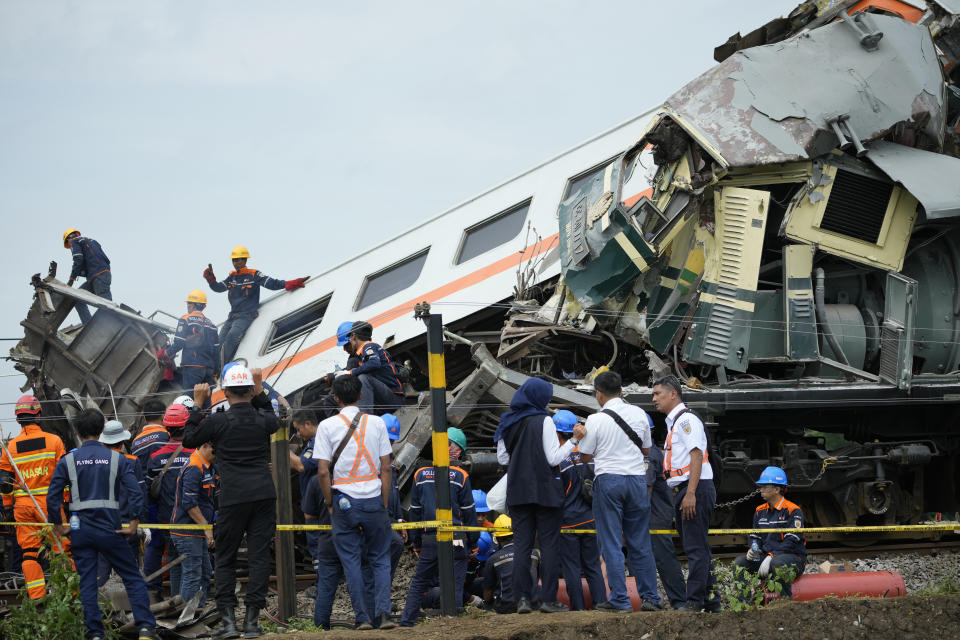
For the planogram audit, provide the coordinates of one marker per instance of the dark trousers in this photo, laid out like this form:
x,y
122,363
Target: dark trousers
x,y
581,558
194,375
396,550
671,575
103,564
232,333
329,572
86,544
426,574
100,286
258,519
376,397
790,560
530,521
363,530
153,553
701,580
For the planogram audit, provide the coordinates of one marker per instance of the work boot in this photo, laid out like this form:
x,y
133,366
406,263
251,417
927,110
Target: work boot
x,y
363,626
524,606
228,625
610,608
386,622
250,627
553,607
650,605
147,633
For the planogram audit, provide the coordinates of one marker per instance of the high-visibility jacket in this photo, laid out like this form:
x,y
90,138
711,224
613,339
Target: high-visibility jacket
x,y
784,515
243,289
35,453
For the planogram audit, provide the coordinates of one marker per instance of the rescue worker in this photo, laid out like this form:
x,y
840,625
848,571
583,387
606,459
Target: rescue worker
x,y
771,551
305,423
248,500
161,480
98,480
195,504
616,439
243,292
328,404
382,390
398,539
661,518
579,552
498,578
527,444
690,477
35,454
197,336
472,588
423,507
353,457
113,437
92,263
152,436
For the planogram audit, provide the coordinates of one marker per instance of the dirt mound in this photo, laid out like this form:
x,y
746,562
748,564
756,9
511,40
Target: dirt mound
x,y
876,619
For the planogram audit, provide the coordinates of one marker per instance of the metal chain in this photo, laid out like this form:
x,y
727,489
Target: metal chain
x,y
827,462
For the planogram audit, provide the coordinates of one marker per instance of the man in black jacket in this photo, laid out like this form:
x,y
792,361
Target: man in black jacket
x,y
241,438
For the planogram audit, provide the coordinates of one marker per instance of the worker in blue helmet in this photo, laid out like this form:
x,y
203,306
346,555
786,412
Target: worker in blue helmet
x,y
773,554
485,547
393,426
343,333
579,552
397,538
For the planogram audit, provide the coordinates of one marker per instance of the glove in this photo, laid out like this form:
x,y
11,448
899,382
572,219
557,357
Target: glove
x,y
161,357
753,555
764,569
70,282
296,283
208,276
147,537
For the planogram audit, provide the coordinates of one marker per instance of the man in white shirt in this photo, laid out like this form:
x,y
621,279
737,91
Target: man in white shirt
x,y
616,439
357,493
690,476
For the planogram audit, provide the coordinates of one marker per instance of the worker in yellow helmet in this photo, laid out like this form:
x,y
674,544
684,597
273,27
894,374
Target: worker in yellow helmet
x,y
243,292
92,263
197,336
498,571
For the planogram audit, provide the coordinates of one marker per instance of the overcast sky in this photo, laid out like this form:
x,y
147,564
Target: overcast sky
x,y
308,131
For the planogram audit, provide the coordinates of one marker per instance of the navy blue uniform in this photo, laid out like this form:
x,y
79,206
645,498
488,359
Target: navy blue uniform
x,y
196,487
197,336
92,263
98,478
382,391
580,554
164,503
243,289
423,506
661,518
788,549
498,577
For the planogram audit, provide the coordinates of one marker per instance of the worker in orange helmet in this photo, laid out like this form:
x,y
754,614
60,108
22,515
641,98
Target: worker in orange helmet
x,y
26,468
243,292
92,263
197,336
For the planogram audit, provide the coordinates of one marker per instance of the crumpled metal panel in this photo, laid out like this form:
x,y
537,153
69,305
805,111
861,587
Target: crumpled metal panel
x,y
931,178
774,103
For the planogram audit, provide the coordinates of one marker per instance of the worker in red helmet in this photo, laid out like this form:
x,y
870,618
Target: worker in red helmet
x,y
26,468
243,292
92,263
164,468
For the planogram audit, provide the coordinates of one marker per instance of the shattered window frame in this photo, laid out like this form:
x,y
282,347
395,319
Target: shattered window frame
x,y
274,341
388,277
600,167
489,225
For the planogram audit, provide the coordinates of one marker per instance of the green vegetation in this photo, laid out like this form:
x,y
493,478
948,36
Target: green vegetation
x,y
742,590
944,587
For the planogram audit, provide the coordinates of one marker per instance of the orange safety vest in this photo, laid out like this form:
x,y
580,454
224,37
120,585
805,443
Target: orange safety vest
x,y
362,455
35,453
668,470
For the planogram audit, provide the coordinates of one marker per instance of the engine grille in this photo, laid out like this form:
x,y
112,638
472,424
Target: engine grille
x,y
890,354
857,206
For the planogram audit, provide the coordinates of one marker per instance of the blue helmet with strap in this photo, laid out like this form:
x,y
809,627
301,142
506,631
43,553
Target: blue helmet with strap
x,y
480,501
484,546
343,333
773,475
393,426
565,420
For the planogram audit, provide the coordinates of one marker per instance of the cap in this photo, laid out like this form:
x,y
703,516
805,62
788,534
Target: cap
x,y
27,405
176,416
362,328
565,420
393,426
458,437
236,376
114,432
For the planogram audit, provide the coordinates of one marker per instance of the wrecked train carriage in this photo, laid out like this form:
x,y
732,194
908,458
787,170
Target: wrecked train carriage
x,y
795,260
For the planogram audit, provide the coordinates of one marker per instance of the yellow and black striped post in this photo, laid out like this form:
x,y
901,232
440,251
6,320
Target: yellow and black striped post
x,y
441,462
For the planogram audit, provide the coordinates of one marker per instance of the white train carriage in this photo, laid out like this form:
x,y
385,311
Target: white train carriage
x,y
462,262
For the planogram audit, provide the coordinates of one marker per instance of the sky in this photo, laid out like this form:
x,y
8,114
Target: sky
x,y
171,131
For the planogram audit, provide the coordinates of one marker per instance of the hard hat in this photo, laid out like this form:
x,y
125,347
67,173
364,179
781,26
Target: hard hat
x,y
480,501
565,420
484,546
343,332
186,401
28,405
197,296
239,252
236,376
66,234
176,416
458,437
503,521
773,475
114,432
393,426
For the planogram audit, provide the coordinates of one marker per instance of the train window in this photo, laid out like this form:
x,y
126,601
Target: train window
x,y
296,324
582,181
391,280
492,232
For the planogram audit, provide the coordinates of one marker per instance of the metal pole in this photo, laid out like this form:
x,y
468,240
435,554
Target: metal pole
x,y
286,571
441,462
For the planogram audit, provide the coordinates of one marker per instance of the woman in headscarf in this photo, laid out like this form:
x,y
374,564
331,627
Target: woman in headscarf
x,y
528,446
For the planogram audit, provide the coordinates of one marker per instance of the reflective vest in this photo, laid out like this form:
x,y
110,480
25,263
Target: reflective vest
x,y
77,503
668,470
357,473
35,454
